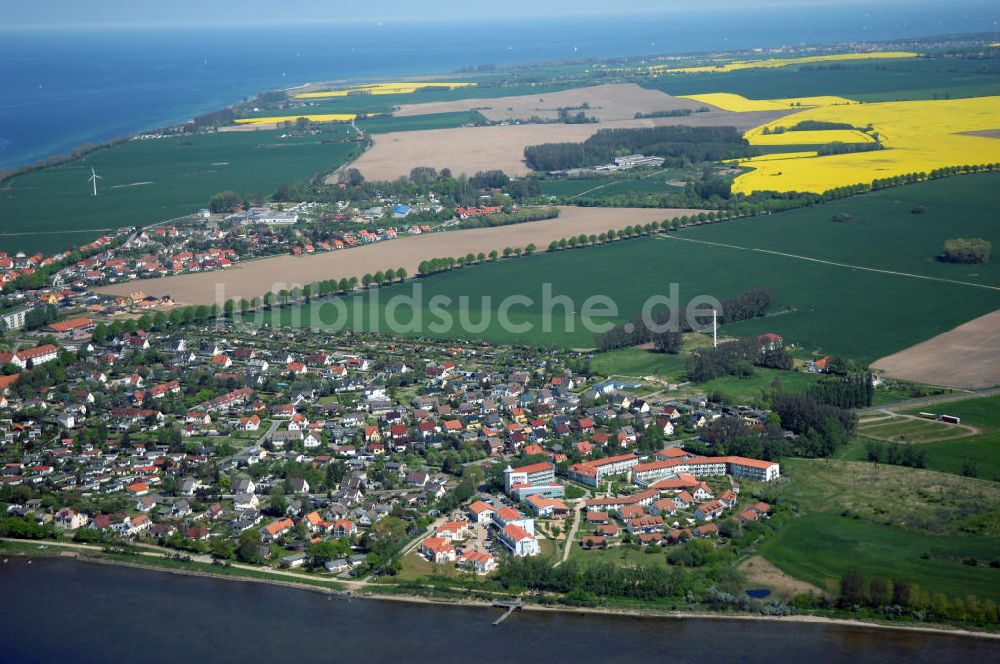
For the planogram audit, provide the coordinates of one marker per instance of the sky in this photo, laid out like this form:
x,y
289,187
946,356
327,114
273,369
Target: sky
x,y
55,14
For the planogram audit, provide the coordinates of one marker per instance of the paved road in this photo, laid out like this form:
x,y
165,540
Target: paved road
x,y
571,535
930,401
244,454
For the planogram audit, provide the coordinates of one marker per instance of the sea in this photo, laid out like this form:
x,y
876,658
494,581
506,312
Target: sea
x,y
62,88
63,610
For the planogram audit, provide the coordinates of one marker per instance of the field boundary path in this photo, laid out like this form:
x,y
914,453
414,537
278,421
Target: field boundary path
x,y
824,261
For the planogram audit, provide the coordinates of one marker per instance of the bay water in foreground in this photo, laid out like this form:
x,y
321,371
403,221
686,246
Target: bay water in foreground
x,y
71,611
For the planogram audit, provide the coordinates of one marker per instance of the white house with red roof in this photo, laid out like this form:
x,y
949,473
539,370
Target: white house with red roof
x,y
520,542
437,550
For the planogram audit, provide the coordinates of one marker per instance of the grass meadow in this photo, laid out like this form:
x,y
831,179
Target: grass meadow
x,y
819,547
887,521
149,181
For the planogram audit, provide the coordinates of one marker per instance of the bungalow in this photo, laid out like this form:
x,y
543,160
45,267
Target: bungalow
x,y
336,566
294,560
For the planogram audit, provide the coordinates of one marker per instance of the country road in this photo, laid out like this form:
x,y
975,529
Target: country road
x,y
930,401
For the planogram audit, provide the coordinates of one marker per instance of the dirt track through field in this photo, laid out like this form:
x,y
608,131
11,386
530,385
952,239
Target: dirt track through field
x,y
254,278
967,356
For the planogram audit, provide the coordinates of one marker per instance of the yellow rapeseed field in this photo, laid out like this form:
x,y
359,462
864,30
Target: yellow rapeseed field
x,y
919,136
402,88
781,62
326,117
756,137
739,104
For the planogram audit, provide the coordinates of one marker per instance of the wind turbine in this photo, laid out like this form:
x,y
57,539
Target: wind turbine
x,y
94,177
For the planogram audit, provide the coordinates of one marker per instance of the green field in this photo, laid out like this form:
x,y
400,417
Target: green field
x,y
746,390
877,80
606,186
819,547
149,181
820,306
638,362
418,122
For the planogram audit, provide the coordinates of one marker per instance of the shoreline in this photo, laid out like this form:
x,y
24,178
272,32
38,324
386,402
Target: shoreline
x,y
648,613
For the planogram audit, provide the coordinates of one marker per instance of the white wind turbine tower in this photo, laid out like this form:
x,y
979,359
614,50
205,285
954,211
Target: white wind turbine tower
x,y
94,177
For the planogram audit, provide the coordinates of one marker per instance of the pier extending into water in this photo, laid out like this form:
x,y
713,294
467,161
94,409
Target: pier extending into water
x,y
510,605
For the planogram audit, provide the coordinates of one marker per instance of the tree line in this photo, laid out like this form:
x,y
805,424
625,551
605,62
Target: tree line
x,y
749,304
735,358
851,391
896,454
586,583
898,597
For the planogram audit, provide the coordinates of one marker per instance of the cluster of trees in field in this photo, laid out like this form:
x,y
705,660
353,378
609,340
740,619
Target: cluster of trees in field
x,y
821,431
967,250
733,436
821,428
896,454
565,116
679,144
749,304
586,583
839,147
673,113
735,358
851,391
809,125
227,201
899,597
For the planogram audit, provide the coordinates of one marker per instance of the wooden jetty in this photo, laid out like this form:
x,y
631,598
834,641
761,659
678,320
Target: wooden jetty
x,y
510,605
